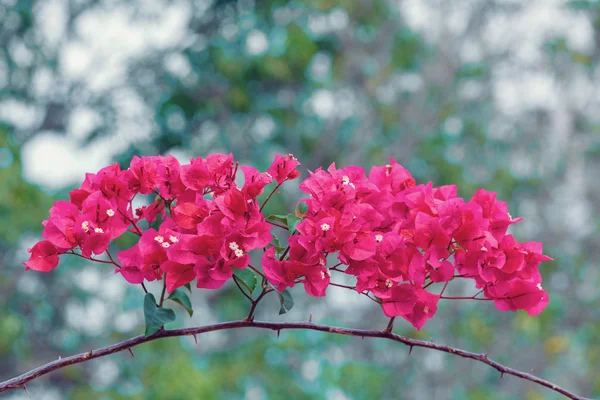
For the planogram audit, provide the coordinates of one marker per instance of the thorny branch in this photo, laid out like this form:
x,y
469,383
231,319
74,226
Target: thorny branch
x,y
126,345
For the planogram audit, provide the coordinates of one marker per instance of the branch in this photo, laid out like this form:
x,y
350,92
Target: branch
x,y
21,380
270,195
235,279
164,289
71,252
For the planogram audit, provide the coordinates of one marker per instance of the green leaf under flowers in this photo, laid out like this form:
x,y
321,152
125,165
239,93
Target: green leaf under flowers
x,y
278,248
180,297
286,301
188,287
277,218
301,210
292,221
275,241
155,316
247,278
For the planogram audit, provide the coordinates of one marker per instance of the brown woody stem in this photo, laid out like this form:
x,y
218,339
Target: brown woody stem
x,y
270,195
21,380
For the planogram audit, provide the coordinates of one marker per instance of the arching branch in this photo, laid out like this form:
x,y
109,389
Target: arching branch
x,y
21,380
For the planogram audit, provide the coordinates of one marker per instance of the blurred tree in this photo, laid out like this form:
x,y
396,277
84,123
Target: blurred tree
x,y
498,94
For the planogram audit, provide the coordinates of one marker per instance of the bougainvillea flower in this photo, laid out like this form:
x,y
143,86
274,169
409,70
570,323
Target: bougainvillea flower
x,y
284,168
44,257
397,238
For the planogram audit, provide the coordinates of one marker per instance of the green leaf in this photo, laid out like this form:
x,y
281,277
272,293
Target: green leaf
x,y
180,297
155,316
278,248
277,218
275,242
286,301
301,209
188,287
292,221
247,278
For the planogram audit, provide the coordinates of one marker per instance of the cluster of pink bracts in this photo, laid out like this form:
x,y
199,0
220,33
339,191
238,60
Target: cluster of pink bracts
x,y
395,237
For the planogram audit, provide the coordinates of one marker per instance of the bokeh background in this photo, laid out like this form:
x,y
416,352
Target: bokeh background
x,y
501,94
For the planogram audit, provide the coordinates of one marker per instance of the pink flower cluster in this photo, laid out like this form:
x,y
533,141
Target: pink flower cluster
x,y
210,228
397,238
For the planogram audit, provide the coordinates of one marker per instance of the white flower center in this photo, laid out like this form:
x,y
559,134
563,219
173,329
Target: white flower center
x,y
239,252
483,248
389,283
539,286
345,180
233,246
85,225
159,239
98,230
173,239
165,245
426,310
379,238
110,212
325,227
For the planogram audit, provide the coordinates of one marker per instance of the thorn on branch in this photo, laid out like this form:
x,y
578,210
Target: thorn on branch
x,y
278,332
501,374
130,352
195,339
26,391
310,318
410,349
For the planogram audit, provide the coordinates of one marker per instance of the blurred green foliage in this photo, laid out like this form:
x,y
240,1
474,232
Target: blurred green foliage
x,y
351,82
